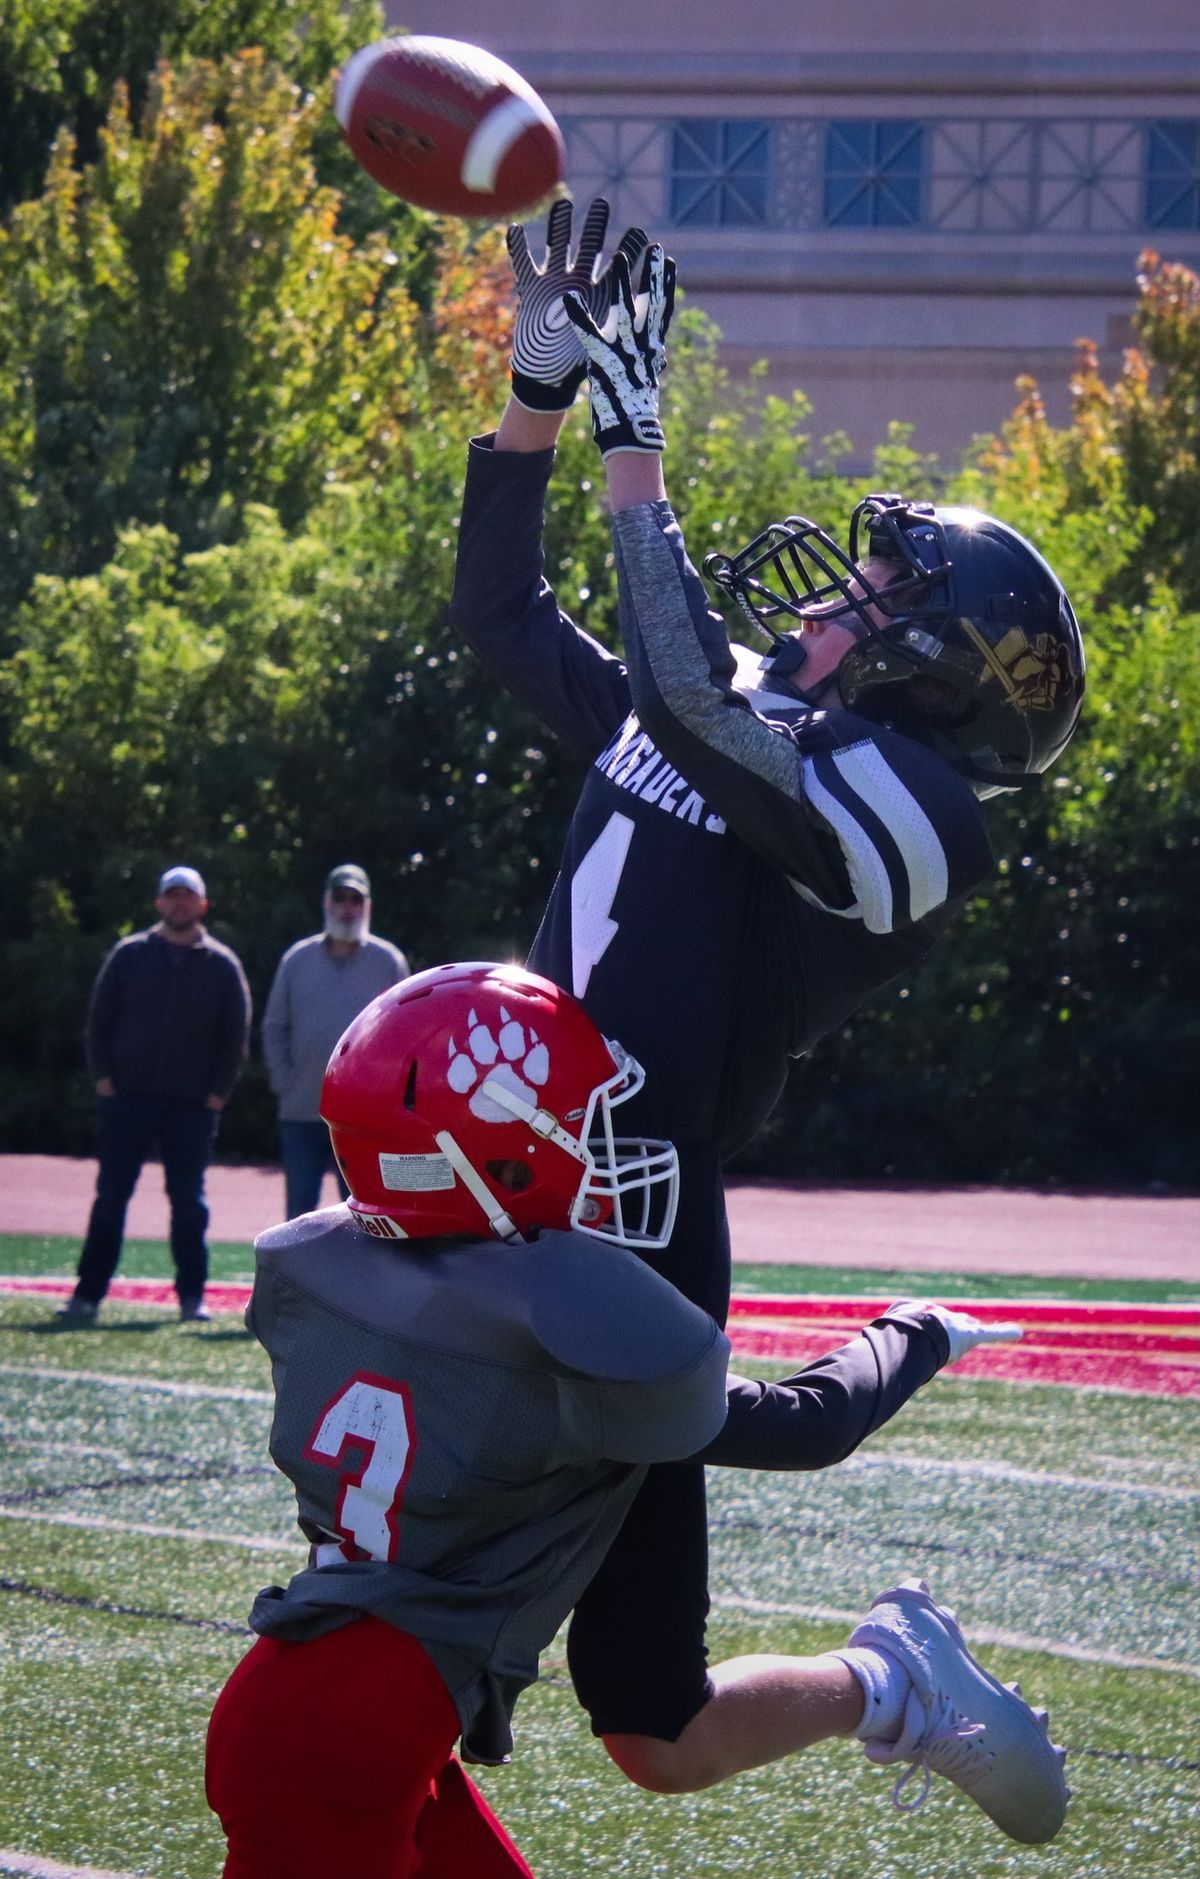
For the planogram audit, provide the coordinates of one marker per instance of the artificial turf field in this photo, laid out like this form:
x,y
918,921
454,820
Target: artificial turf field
x,y
139,1514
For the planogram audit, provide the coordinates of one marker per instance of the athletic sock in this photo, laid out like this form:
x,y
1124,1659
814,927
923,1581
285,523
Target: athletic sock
x,y
885,1685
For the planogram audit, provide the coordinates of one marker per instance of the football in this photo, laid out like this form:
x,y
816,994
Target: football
x,y
448,127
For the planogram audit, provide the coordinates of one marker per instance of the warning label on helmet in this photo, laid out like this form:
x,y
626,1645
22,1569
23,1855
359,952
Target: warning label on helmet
x,y
413,1174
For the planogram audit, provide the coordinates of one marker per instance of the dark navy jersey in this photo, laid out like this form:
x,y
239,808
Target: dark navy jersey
x,y
741,870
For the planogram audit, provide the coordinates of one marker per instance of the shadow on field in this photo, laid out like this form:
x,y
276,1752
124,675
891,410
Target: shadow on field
x,y
51,1328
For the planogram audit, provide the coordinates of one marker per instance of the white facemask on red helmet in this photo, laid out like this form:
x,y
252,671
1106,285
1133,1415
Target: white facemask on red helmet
x,y
475,1099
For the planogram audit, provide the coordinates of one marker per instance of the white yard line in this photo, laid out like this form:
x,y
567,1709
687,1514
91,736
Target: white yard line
x,y
759,1608
39,1868
1001,1471
980,1634
252,1542
983,1470
114,1381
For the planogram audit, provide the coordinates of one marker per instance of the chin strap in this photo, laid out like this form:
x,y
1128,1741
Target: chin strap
x,y
500,1223
541,1121
789,655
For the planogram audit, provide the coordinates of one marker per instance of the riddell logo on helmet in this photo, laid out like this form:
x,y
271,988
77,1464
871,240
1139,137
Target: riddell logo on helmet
x,y
516,1059
380,1227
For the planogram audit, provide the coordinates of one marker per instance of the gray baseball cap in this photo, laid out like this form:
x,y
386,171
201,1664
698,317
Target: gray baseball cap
x,y
348,875
183,877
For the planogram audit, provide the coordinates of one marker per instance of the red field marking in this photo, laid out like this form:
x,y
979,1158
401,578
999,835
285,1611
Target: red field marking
x,y
1158,1373
1119,1346
990,1310
219,1296
1151,1349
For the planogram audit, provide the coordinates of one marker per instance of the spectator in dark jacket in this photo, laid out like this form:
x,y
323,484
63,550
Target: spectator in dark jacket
x,y
166,1037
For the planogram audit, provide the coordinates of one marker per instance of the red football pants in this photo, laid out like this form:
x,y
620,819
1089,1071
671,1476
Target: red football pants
x,y
331,1760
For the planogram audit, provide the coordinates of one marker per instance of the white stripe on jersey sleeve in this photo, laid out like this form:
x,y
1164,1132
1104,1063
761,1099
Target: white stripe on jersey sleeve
x,y
864,863
877,785
872,777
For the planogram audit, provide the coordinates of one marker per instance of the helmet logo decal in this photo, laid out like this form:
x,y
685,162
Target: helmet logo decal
x,y
515,1058
1032,671
380,1227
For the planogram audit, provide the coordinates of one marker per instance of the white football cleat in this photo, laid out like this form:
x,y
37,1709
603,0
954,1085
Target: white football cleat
x,y
961,1723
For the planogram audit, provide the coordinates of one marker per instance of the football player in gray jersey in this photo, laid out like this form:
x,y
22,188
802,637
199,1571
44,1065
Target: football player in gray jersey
x,y
816,810
473,1367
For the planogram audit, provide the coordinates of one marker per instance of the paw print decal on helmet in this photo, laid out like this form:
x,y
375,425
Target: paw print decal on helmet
x,y
514,1057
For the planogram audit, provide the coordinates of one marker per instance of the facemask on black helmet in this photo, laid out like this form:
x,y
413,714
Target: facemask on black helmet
x,y
979,655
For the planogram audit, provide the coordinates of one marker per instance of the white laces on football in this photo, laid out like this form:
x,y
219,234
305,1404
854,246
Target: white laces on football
x,y
949,1746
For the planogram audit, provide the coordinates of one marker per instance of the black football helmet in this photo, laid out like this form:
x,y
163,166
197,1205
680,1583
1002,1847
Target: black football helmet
x,y
981,656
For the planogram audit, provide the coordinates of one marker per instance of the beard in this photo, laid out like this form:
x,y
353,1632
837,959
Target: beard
x,y
349,927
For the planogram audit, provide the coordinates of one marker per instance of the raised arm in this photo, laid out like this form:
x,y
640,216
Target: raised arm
x,y
502,604
868,824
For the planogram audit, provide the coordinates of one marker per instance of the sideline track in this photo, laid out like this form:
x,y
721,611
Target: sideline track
x,y
1132,1347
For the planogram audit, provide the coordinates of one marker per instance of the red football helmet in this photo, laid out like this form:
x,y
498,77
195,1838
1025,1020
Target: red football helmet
x,y
480,1097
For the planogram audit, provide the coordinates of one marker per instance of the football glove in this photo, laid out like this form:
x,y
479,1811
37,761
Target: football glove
x,y
548,364
964,1331
626,355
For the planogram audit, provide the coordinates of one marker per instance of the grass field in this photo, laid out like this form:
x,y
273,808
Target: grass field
x,y
139,1514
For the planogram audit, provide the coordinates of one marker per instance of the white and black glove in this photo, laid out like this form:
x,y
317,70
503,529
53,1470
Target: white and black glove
x,y
964,1332
548,364
626,355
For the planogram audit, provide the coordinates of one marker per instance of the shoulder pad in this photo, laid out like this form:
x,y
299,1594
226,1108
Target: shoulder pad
x,y
909,826
306,1230
608,1315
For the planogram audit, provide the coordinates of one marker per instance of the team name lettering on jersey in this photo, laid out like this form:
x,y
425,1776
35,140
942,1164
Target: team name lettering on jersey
x,y
633,762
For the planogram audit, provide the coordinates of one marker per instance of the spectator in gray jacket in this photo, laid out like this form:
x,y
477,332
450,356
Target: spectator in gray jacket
x,y
166,1037
320,984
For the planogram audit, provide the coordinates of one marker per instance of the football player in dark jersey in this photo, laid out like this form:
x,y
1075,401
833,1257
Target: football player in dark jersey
x,y
761,842
471,1373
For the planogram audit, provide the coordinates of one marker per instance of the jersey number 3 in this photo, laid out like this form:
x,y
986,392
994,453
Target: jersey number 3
x,y
593,891
372,1417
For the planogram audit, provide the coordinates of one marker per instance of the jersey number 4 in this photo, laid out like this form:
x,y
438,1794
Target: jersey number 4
x,y
371,1417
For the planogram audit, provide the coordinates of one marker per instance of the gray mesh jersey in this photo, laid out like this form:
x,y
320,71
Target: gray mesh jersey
x,y
465,1426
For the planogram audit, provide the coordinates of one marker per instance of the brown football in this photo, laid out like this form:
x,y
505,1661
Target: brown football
x,y
448,127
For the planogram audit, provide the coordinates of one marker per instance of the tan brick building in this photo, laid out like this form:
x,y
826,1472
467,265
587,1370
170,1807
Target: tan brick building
x,y
901,208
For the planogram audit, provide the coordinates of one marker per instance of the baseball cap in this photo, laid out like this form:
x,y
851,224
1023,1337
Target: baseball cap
x,y
352,877
183,877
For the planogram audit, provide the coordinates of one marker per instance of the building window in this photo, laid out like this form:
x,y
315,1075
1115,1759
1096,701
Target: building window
x,y
719,172
873,173
1173,173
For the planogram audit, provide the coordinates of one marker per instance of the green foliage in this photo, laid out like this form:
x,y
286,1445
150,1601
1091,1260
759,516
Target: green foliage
x,y
235,385
61,60
1051,1037
188,329
230,457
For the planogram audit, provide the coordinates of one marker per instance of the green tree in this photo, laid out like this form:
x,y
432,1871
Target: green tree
x,y
61,61
233,402
187,328
228,495
1052,1036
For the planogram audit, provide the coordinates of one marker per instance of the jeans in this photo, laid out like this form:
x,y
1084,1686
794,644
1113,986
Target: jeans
x,y
306,1152
130,1127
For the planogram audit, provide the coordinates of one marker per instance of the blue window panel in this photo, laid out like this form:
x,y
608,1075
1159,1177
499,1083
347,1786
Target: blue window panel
x,y
1173,174
873,172
720,172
